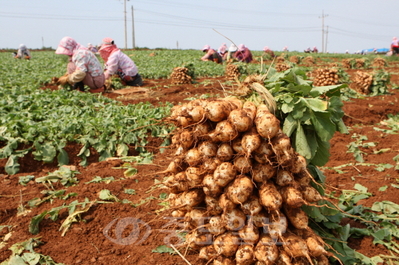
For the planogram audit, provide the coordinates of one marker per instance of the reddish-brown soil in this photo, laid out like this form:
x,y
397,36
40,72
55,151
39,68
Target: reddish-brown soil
x,y
92,240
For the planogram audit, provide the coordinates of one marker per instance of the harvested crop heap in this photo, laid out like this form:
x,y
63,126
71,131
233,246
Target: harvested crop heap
x,y
359,63
281,67
347,63
309,60
325,77
232,71
238,186
180,76
294,59
379,62
280,59
362,82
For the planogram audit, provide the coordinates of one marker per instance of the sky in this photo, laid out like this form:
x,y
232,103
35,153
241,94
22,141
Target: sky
x,y
333,26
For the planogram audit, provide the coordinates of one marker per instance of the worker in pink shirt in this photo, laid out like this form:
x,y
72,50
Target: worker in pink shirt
x,y
118,63
83,68
243,54
395,45
211,55
222,50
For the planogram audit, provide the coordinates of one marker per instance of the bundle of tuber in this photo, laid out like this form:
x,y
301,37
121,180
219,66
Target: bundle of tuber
x,y
362,82
347,63
280,59
232,71
294,59
237,185
309,60
281,67
180,76
325,77
379,62
359,63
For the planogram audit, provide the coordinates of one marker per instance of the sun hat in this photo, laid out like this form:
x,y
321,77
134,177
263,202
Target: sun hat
x,y
206,47
66,46
222,48
266,48
232,48
108,41
241,47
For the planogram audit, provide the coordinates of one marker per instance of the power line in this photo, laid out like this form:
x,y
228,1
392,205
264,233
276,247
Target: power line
x,y
195,23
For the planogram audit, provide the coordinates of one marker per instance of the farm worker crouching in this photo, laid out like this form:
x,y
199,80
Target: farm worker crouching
x,y
211,55
395,45
83,68
231,52
92,48
243,54
116,62
222,50
268,51
22,52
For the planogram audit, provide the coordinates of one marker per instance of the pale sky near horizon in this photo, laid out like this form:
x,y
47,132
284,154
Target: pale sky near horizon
x,y
350,25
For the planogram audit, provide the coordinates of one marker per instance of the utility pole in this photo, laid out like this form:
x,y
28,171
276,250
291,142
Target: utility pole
x,y
133,37
326,39
125,24
322,30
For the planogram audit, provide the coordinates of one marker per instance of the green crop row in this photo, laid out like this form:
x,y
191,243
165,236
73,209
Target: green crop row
x,y
44,122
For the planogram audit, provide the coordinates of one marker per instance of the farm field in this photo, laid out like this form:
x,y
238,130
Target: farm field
x,y
116,181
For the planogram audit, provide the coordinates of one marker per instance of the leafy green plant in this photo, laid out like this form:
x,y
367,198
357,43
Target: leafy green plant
x,y
143,158
23,253
354,147
380,221
50,196
310,115
98,179
73,215
381,80
392,122
106,195
23,180
163,249
64,175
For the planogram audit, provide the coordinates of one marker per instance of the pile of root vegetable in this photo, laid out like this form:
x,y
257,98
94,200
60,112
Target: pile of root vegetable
x,y
232,71
325,77
237,185
180,75
362,82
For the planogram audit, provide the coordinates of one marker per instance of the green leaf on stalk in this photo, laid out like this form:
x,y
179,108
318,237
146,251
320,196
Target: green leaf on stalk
x,y
164,249
387,207
322,154
130,172
122,149
322,124
290,125
35,221
12,166
130,191
62,157
106,195
23,180
301,144
317,105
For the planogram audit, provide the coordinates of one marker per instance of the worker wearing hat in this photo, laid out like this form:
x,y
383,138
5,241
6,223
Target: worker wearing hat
x,y
118,63
211,55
